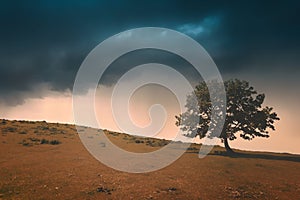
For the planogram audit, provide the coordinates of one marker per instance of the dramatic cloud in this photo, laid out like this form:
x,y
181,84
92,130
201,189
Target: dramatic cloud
x,y
205,27
44,42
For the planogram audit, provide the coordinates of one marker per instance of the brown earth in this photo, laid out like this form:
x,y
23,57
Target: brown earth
x,y
39,160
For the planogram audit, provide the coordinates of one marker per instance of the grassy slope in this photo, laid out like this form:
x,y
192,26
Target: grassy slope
x,y
62,168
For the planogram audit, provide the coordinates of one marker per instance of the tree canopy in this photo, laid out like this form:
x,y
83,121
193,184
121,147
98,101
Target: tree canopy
x,y
245,113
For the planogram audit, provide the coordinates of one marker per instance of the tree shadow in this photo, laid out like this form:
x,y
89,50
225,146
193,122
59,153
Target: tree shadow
x,y
258,155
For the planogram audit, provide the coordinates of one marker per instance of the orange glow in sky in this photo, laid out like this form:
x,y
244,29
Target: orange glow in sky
x,y
57,107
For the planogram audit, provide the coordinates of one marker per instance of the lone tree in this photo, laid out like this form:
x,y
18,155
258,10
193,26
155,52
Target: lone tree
x,y
245,114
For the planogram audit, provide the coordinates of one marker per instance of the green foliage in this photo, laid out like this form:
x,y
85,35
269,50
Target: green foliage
x,y
44,141
244,112
52,142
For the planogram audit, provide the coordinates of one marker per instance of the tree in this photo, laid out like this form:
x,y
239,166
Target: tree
x,y
245,114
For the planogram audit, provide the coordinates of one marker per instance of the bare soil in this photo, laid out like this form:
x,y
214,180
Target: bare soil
x,y
40,160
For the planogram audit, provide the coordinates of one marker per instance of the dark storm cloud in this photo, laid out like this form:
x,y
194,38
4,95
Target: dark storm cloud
x,y
138,57
44,42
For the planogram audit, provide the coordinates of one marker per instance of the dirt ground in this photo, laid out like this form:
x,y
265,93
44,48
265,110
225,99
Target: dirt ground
x,y
39,160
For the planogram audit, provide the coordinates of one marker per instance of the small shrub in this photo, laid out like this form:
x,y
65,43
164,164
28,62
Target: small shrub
x,y
27,144
105,190
45,128
44,141
113,133
11,129
23,132
192,149
55,142
52,142
34,139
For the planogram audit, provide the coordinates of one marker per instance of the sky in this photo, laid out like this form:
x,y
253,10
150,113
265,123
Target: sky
x,y
43,43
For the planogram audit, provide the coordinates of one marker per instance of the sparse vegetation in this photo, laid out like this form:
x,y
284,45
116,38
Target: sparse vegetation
x,y
52,142
10,129
23,159
34,139
25,143
44,141
139,141
105,190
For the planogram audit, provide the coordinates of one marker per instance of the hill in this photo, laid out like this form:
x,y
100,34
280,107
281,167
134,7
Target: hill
x,y
40,160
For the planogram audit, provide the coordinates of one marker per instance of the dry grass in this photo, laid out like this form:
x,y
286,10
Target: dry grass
x,y
32,169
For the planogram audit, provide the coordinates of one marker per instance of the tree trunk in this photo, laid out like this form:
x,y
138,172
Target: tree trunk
x,y
227,147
